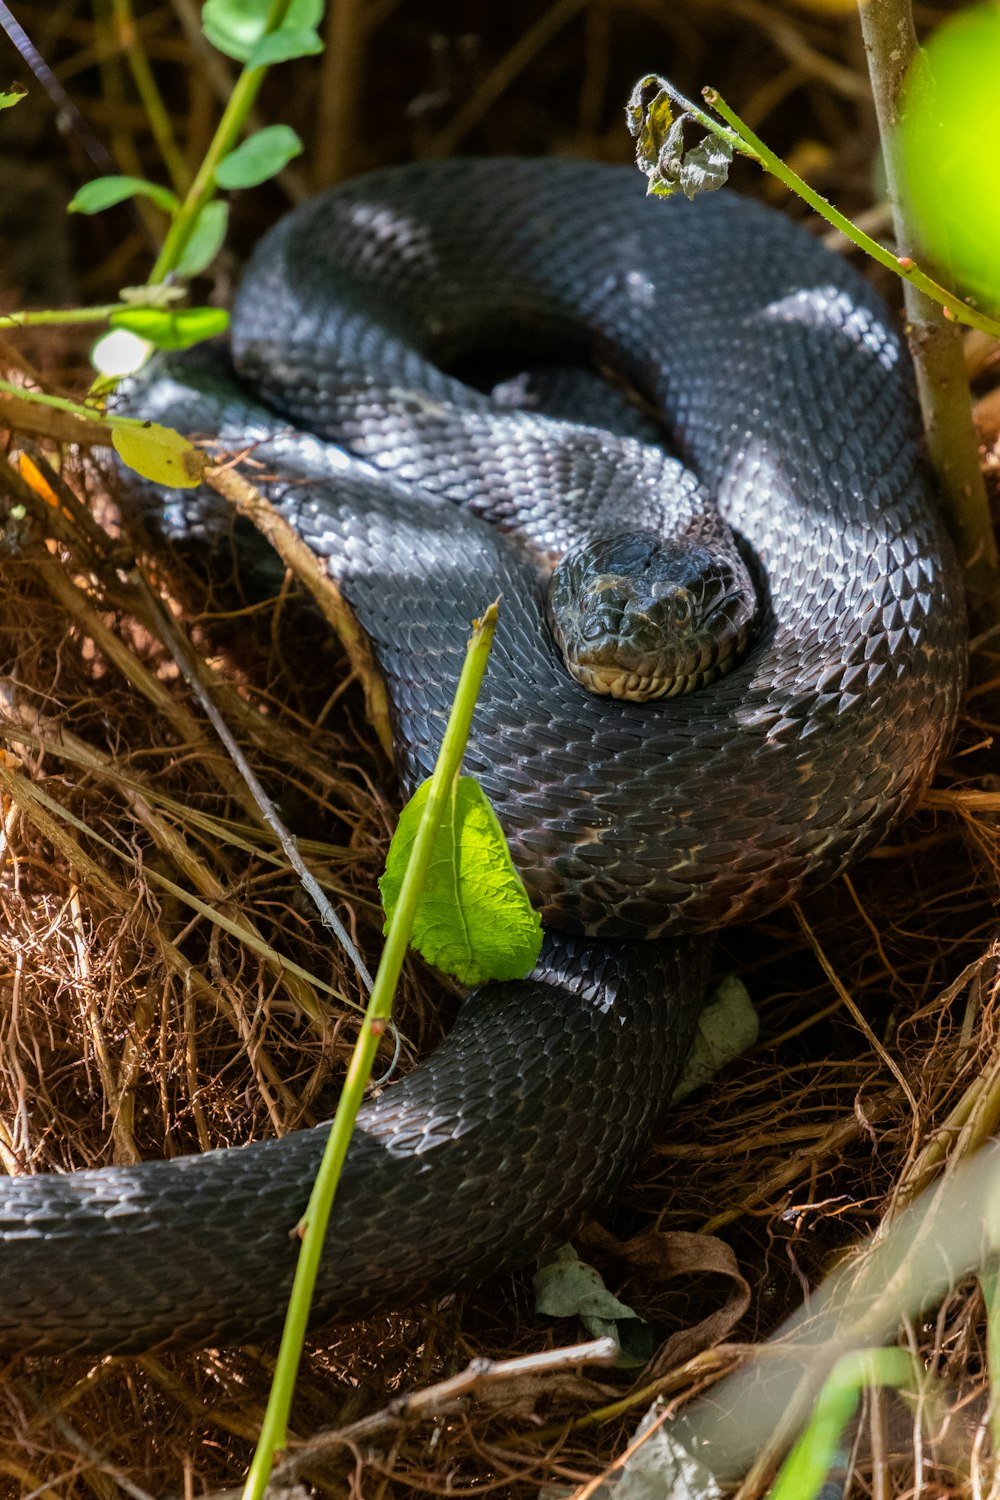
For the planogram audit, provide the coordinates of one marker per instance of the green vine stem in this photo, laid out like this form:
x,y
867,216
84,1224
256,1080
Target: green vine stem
x,y
238,107
814,1453
312,1226
937,353
61,403
989,1283
891,45
48,317
903,265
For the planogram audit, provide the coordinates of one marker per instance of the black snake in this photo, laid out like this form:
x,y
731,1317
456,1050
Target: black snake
x,y
781,381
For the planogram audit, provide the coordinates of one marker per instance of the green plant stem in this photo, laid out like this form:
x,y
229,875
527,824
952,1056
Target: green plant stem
x,y
903,266
58,403
814,1453
74,408
312,1226
239,105
152,100
53,316
739,142
989,1281
938,357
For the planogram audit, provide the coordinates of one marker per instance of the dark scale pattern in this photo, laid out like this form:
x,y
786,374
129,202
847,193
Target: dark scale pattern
x,y
786,390
543,1087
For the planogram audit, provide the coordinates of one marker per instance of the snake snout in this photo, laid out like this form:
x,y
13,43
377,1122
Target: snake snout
x,y
640,618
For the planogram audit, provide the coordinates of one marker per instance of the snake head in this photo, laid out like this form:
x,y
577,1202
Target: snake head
x,y
639,618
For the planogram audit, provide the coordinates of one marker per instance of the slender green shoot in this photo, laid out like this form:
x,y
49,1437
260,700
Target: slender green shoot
x,y
989,1281
152,100
312,1226
738,136
56,316
61,403
815,1452
903,265
202,189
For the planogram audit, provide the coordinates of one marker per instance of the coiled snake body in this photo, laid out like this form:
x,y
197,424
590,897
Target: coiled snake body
x,y
783,385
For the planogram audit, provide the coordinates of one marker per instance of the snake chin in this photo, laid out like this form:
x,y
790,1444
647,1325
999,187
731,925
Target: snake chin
x,y
640,618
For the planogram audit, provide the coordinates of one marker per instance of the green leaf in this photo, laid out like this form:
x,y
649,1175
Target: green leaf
x,y
158,453
727,1027
948,134
282,45
237,26
261,156
659,145
104,192
205,240
172,330
474,919
567,1286
12,96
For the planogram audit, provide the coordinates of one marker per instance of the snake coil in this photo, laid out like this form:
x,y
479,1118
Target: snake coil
x,y
781,384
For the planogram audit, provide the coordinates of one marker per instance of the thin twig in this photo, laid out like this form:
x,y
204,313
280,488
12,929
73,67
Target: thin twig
x,y
415,1406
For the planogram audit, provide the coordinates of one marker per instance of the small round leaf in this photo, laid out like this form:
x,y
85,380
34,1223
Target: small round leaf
x,y
104,192
282,45
205,240
236,26
262,155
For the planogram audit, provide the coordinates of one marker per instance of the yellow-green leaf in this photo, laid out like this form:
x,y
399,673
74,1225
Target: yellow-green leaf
x,y
948,135
474,919
158,453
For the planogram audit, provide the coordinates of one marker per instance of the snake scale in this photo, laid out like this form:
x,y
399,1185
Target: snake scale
x,y
776,376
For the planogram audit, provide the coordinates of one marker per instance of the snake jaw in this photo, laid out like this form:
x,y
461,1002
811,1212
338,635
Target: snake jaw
x,y
639,618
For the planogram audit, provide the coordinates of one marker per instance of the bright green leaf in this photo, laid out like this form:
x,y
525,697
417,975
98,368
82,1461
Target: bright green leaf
x,y
104,192
205,239
172,330
261,156
282,45
12,96
474,919
948,134
158,453
237,26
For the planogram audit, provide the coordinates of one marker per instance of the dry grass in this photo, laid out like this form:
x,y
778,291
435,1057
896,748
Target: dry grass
x,y
133,1026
